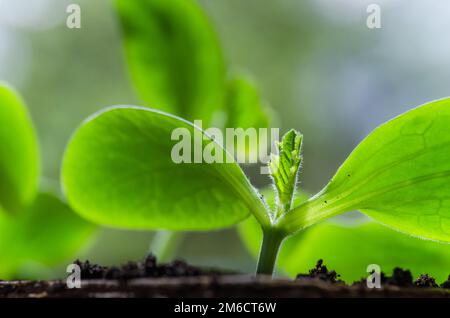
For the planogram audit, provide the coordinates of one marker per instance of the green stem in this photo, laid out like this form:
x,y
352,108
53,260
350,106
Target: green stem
x,y
270,246
165,244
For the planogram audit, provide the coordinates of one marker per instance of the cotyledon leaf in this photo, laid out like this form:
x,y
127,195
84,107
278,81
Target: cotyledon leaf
x,y
47,232
121,169
19,158
174,56
399,175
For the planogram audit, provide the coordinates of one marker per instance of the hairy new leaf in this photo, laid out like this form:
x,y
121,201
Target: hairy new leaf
x,y
284,168
119,170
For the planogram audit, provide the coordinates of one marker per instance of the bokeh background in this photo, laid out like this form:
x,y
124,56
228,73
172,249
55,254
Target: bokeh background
x,y
317,64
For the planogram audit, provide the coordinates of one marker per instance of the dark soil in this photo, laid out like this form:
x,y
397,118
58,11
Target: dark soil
x,y
321,272
425,281
179,279
148,268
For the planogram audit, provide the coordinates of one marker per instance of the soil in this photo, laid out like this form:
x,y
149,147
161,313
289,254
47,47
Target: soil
x,y
179,279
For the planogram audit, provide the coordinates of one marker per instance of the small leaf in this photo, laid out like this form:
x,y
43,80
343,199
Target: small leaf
x,y
284,169
119,170
19,158
46,233
174,56
399,175
244,106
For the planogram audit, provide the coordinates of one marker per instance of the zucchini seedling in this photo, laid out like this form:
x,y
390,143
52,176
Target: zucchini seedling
x,y
118,171
348,244
37,229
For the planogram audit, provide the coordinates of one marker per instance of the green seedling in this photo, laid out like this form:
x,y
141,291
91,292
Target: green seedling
x,y
36,228
176,63
348,244
118,171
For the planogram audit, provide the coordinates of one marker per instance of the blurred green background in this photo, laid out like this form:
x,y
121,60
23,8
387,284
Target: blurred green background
x,y
318,65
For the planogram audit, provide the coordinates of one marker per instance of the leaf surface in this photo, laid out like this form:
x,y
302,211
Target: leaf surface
x,y
119,170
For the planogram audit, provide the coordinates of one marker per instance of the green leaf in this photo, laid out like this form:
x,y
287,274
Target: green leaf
x,y
284,168
19,158
46,233
244,105
349,247
174,56
399,175
118,170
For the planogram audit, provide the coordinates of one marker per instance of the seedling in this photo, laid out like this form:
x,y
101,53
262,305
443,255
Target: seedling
x,y
37,229
117,171
348,244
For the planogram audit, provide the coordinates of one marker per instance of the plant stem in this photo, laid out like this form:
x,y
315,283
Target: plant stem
x,y
270,246
165,244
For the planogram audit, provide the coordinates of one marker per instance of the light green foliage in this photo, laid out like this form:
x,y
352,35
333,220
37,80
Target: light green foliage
x,y
42,230
174,56
19,163
118,171
284,168
45,233
399,175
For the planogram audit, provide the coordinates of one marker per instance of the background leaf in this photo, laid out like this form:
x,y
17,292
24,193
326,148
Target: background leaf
x,y
46,233
244,105
19,158
174,56
118,171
